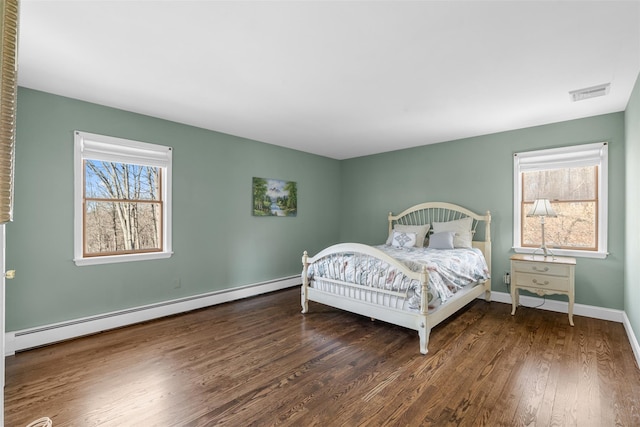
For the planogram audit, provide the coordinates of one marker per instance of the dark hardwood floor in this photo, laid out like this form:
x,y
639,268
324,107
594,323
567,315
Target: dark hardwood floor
x,y
260,362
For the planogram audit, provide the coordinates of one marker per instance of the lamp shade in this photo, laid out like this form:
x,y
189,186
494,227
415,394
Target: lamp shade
x,y
542,207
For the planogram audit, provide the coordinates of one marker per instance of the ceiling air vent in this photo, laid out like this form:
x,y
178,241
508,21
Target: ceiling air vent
x,y
590,92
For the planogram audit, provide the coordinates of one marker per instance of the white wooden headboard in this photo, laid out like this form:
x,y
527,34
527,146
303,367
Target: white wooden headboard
x,y
429,212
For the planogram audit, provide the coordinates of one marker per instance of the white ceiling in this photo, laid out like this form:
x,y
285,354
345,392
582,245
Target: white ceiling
x,y
336,78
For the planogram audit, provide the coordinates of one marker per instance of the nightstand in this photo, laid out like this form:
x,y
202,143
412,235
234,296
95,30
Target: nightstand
x,y
543,276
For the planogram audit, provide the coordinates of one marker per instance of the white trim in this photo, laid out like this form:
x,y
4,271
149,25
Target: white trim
x,y
564,252
555,158
108,148
632,339
3,300
49,334
562,307
601,313
122,258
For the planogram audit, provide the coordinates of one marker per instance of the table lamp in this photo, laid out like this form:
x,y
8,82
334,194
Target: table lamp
x,y
542,208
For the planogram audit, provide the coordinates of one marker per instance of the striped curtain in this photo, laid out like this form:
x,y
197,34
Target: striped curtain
x,y
8,94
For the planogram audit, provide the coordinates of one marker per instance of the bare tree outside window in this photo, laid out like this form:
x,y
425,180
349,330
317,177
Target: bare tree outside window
x,y
122,208
574,178
122,200
573,193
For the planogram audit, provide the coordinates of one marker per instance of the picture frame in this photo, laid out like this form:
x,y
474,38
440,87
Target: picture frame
x,y
274,197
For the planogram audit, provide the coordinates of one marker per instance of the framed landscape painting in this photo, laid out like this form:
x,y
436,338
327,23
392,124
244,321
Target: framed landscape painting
x,y
274,197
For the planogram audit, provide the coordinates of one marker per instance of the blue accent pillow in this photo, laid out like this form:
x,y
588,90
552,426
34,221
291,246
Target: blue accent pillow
x,y
442,240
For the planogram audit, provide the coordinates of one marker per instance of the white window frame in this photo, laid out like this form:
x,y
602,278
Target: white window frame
x,y
556,158
107,148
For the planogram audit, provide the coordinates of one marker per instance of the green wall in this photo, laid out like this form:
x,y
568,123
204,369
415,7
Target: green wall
x,y
478,173
632,252
217,243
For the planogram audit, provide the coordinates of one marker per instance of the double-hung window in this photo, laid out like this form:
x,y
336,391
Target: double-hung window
x,y
574,180
122,200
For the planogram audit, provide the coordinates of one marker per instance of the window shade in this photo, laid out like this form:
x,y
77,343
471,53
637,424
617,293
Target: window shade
x,y
111,149
8,94
565,157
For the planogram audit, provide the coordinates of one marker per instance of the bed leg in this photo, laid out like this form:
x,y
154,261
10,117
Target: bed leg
x,y
487,291
303,299
423,333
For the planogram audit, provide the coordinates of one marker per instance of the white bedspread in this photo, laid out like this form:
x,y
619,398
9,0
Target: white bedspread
x,y
449,270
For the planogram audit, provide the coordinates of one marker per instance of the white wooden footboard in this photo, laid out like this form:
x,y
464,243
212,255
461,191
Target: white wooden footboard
x,y
375,302
382,304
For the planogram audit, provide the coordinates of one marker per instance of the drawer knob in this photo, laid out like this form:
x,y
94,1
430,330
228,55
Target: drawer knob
x,y
540,269
546,282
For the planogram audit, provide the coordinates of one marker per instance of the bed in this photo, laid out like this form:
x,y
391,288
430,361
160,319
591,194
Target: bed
x,y
409,280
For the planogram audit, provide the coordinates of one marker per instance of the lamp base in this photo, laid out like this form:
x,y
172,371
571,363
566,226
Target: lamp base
x,y
545,251
543,247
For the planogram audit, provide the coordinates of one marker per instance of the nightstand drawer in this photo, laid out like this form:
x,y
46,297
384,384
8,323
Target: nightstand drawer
x,y
542,276
542,281
541,268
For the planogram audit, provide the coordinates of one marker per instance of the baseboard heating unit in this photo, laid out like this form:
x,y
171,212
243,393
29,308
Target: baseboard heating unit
x,y
49,334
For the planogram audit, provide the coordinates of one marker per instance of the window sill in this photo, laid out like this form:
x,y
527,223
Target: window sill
x,y
565,252
121,258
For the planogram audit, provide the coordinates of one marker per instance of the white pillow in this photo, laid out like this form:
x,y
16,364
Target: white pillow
x,y
443,240
420,231
402,239
462,228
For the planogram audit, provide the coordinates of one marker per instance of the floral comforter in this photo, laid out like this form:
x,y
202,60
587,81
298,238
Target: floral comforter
x,y
449,270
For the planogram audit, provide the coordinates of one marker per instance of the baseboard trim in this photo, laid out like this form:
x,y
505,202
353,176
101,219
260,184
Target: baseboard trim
x,y
49,334
632,339
580,310
562,307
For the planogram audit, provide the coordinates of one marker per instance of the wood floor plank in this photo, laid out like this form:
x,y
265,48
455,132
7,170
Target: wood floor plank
x,y
260,362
